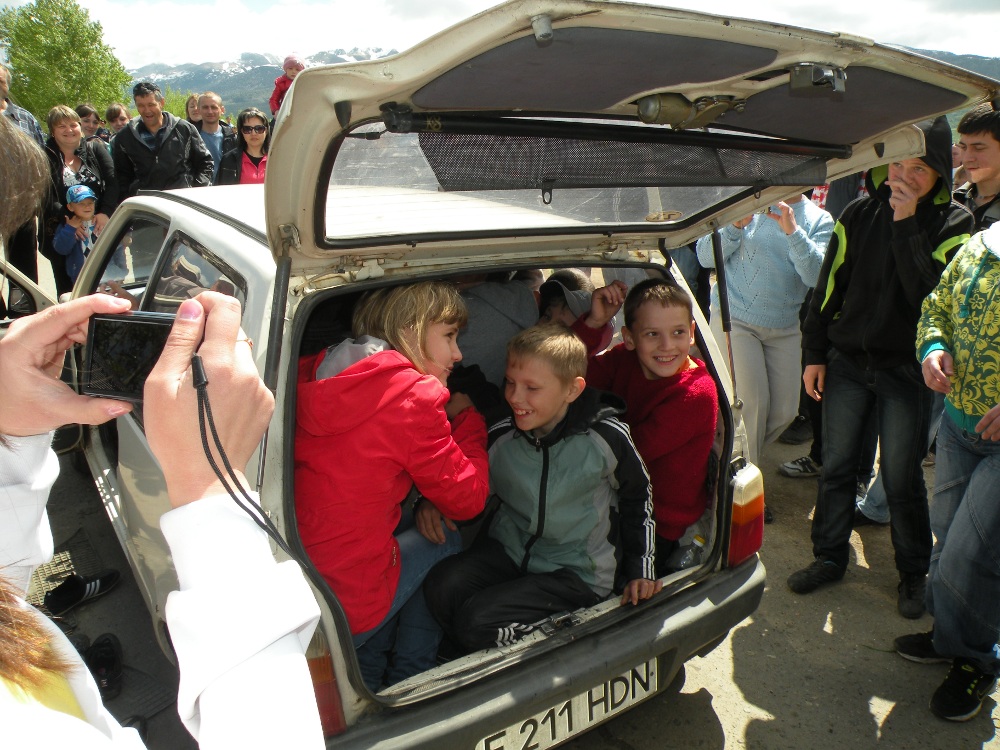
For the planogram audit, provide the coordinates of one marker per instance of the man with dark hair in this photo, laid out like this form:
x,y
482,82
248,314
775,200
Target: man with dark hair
x,y
158,151
979,143
22,246
887,253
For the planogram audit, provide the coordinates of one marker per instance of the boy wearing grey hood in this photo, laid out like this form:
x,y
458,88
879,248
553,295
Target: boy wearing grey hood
x,y
886,254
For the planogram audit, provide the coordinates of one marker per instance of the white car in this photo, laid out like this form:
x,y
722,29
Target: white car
x,y
536,135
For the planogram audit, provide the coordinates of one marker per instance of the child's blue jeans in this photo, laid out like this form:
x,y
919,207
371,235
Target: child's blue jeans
x,y
405,643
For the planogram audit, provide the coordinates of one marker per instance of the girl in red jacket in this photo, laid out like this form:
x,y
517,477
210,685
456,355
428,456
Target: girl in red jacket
x,y
375,420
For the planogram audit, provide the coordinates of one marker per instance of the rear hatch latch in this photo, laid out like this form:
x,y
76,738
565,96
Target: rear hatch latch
x,y
560,621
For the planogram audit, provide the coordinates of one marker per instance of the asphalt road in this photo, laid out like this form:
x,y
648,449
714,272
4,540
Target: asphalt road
x,y
813,671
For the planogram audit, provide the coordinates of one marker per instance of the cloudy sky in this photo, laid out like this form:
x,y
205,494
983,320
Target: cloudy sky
x,y
179,31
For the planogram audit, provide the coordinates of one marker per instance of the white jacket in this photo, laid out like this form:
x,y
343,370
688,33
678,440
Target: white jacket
x,y
240,639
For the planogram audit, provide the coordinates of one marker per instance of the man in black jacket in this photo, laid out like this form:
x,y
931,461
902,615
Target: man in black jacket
x,y
157,151
979,143
887,253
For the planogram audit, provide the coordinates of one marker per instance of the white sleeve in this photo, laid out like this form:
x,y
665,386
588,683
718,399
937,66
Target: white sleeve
x,y
240,625
28,469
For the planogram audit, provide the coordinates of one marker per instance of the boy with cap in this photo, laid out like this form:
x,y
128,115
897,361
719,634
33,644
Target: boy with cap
x,y
559,303
887,253
75,236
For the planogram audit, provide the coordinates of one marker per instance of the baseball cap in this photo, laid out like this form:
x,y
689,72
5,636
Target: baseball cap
x,y
578,301
79,193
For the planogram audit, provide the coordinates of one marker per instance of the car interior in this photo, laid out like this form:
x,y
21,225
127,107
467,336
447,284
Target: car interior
x,y
329,323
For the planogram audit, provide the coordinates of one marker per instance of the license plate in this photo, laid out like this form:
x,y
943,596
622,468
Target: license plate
x,y
578,714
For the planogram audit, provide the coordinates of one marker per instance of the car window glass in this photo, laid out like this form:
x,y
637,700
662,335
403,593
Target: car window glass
x,y
134,257
190,268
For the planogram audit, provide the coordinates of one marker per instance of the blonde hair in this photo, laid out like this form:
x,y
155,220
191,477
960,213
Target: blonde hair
x,y
28,657
401,315
554,344
59,113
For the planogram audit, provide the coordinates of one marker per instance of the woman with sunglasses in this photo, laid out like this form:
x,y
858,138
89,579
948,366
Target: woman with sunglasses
x,y
245,164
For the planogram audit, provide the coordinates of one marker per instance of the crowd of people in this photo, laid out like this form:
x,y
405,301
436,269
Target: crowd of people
x,y
117,155
595,463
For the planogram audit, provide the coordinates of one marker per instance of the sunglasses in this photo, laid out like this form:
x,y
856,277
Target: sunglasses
x,y
258,129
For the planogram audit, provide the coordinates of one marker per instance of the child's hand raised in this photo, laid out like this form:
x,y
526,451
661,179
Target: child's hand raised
x,y
605,303
639,589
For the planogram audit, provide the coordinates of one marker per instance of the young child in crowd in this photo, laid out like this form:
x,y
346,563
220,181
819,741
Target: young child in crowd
x,y
292,66
75,236
573,501
671,399
374,420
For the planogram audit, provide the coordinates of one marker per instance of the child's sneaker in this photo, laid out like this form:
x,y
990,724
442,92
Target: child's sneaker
x,y
800,468
963,691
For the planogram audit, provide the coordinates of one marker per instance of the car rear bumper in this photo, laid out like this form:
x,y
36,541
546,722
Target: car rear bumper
x,y
687,624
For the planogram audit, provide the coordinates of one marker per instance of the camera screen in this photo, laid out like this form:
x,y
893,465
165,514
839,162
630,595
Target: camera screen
x,y
121,352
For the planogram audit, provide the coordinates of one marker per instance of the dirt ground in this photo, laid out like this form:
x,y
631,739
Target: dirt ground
x,y
815,671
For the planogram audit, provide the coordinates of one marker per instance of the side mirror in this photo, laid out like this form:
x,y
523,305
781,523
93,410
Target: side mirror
x,y
16,301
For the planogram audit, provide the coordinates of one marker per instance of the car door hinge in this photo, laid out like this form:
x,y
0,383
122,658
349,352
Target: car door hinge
x,y
289,238
370,269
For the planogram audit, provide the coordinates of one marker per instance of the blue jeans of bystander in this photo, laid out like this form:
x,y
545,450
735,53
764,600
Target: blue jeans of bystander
x,y
874,505
902,403
963,589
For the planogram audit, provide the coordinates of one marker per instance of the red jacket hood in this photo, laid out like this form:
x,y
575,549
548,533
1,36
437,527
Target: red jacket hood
x,y
352,390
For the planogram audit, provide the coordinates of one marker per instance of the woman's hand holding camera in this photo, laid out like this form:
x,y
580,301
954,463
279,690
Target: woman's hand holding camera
x,y
241,405
34,400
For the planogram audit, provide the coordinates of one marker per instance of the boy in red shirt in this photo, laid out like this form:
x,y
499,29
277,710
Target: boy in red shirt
x,y
671,399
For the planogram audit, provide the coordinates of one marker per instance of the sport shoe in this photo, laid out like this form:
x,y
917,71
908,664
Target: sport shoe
x,y
798,432
963,691
910,602
919,647
821,572
800,468
104,660
77,589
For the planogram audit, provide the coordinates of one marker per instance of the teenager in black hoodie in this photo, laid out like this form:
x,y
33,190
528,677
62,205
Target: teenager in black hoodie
x,y
887,253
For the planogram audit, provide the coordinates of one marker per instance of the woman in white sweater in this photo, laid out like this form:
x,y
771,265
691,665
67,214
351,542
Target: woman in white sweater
x,y
240,646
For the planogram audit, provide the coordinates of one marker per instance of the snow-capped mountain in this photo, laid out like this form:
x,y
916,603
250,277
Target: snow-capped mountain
x,y
246,82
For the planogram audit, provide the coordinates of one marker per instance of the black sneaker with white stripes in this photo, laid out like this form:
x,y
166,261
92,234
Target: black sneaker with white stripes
x,y
77,589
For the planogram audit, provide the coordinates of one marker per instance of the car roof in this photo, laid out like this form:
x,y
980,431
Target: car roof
x,y
243,204
695,86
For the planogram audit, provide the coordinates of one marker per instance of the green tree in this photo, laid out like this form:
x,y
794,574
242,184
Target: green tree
x,y
175,101
58,56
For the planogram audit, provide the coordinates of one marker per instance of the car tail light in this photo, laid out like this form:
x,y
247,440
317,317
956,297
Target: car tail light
x,y
747,532
331,712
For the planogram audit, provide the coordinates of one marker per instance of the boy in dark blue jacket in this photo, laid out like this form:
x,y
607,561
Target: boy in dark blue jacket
x,y
75,236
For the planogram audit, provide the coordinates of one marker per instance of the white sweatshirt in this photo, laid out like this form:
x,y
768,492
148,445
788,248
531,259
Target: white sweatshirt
x,y
240,624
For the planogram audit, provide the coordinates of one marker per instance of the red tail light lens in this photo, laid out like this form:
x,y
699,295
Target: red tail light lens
x,y
747,532
331,711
